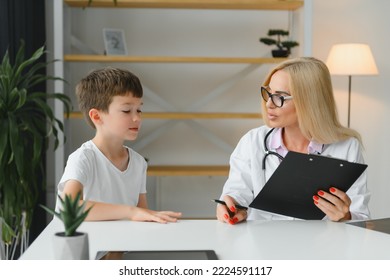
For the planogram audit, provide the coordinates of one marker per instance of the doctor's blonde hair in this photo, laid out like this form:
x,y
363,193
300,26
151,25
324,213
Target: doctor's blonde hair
x,y
311,86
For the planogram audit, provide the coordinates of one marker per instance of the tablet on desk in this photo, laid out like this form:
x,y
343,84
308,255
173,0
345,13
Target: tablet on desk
x,y
382,225
290,189
157,255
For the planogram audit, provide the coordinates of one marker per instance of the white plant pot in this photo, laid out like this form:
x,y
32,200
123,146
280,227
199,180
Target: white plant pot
x,y
71,247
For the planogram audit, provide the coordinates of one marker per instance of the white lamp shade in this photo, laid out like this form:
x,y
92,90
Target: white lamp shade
x,y
351,59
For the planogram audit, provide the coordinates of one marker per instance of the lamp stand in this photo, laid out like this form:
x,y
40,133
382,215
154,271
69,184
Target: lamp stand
x,y
349,99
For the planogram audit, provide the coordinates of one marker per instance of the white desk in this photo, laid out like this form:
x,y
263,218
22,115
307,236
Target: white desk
x,y
273,240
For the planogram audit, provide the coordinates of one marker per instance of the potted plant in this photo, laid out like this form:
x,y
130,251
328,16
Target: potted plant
x,y
26,123
70,244
283,47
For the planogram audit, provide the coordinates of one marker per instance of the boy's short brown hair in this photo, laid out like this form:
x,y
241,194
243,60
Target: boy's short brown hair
x,y
96,90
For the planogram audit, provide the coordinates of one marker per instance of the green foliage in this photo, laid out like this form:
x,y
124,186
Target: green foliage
x,y
278,32
26,123
268,41
289,44
71,213
278,41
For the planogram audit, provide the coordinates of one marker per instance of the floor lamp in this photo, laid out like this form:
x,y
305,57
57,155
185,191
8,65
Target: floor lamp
x,y
351,60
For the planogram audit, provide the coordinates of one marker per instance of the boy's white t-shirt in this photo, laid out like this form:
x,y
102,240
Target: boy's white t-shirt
x,y
101,180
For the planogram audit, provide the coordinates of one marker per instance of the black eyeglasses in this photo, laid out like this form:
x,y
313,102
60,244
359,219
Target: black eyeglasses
x,y
277,98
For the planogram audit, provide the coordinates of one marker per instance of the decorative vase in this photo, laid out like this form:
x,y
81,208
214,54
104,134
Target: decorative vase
x,y
280,53
71,247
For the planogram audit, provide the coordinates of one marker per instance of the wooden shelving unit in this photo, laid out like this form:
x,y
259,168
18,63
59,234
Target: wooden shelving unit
x,y
188,170
169,59
185,115
193,4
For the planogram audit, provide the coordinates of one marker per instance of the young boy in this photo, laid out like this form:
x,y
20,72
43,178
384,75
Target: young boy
x,y
111,176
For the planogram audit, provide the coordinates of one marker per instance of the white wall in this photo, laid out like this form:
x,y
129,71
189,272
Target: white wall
x,y
236,33
362,21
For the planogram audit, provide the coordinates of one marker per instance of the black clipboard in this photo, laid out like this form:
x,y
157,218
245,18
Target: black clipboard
x,y
299,176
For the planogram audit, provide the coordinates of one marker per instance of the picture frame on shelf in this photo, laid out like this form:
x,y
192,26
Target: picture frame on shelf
x,y
114,41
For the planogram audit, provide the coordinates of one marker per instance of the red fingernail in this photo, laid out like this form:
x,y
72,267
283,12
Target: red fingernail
x,y
235,220
226,216
321,193
332,189
231,222
315,202
233,209
315,197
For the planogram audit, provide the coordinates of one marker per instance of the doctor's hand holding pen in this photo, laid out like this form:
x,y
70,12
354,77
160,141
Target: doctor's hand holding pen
x,y
229,211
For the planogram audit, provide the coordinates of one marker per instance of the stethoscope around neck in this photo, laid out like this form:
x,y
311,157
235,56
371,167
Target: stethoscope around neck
x,y
267,151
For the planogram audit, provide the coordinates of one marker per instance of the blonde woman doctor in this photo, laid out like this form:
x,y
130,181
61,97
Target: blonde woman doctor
x,y
300,114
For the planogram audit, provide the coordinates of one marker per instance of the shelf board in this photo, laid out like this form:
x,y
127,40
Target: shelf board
x,y
193,4
169,59
185,115
188,170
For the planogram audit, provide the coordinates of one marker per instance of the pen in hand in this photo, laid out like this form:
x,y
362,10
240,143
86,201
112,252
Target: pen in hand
x,y
238,206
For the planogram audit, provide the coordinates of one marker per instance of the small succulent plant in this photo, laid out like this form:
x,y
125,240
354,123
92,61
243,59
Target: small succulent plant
x,y
71,213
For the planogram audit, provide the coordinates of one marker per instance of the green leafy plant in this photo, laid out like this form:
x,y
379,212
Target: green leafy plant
x,y
71,213
26,124
281,45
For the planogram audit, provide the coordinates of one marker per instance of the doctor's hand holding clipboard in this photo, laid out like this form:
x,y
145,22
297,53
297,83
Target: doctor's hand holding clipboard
x,y
300,114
